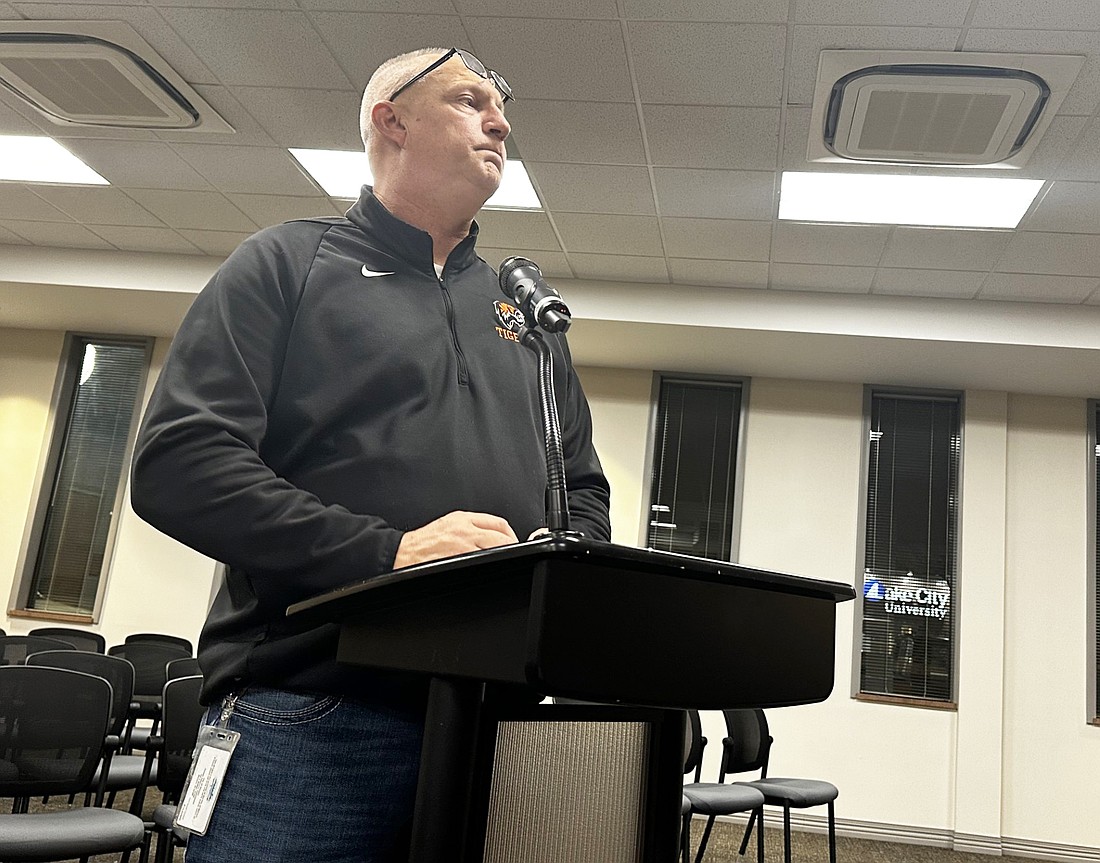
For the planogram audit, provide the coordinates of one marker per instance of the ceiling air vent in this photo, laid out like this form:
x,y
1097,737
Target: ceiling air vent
x,y
98,74
953,109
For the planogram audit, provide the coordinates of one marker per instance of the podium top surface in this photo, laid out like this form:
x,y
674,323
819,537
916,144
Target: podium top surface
x,y
496,562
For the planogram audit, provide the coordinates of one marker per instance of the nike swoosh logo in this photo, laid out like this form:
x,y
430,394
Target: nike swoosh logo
x,y
370,274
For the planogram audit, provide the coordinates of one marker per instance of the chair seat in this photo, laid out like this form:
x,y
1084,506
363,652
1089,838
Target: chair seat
x,y
67,834
798,793
715,798
164,815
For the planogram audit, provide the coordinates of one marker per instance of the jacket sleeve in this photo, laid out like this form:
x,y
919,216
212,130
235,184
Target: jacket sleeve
x,y
587,489
198,473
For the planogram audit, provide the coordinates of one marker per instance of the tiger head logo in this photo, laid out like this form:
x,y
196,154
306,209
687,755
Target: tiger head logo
x,y
508,316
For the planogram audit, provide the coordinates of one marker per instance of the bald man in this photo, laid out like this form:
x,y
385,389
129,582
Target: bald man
x,y
347,397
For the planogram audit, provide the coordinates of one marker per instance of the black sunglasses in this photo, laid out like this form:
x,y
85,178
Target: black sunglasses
x,y
472,63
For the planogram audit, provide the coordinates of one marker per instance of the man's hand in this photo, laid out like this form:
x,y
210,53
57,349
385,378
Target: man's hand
x,y
451,534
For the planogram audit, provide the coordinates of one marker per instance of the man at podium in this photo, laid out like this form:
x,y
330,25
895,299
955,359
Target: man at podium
x,y
346,397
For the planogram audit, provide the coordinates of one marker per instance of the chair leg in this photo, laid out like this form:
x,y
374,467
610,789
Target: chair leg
x,y
748,833
786,833
703,842
760,835
832,834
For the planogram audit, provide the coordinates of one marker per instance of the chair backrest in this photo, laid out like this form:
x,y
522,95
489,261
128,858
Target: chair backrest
x,y
747,742
81,639
14,649
187,667
150,660
694,745
115,670
53,723
179,729
161,638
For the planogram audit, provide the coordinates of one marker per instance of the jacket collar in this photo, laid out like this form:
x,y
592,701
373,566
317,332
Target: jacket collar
x,y
403,241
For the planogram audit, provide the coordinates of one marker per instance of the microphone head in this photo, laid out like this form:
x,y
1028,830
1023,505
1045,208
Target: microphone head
x,y
512,270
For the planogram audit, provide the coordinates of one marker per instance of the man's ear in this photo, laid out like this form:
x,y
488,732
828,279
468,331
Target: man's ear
x,y
388,123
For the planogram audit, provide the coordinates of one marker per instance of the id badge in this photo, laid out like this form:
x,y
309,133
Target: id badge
x,y
213,749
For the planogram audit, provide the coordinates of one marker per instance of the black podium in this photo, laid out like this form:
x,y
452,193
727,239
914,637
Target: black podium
x,y
629,632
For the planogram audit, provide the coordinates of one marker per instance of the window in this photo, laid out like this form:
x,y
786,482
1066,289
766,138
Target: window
x,y
94,421
1094,565
910,546
694,481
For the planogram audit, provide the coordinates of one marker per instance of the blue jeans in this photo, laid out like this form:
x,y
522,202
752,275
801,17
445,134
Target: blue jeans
x,y
313,778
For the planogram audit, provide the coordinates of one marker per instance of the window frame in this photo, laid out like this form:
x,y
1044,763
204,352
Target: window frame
x,y
1092,664
61,404
660,378
869,391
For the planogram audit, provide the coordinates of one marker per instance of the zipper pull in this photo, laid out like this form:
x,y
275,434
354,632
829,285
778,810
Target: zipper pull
x,y
228,703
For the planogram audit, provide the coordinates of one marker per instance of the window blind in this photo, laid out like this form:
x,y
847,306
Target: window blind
x,y
694,462
910,553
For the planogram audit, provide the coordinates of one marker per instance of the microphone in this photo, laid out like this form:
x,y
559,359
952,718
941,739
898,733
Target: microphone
x,y
522,282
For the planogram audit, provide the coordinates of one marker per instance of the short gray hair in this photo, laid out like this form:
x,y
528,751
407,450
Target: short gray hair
x,y
387,78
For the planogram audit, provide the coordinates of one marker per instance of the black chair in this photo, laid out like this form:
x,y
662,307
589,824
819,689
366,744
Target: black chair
x,y
150,660
80,639
183,668
746,749
53,725
161,638
174,746
122,771
708,798
14,649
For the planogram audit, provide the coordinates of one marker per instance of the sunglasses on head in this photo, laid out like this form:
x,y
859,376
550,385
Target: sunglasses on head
x,y
472,63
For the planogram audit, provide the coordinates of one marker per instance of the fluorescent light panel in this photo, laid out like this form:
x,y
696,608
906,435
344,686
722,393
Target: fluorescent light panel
x,y
903,199
38,159
341,172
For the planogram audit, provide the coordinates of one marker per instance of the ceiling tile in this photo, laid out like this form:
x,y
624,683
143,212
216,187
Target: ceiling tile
x,y
1084,96
541,8
360,41
10,238
1021,15
207,211
506,229
743,11
1068,207
554,265
948,284
1083,160
322,119
248,169
705,194
1055,254
17,201
275,209
592,189
230,4
619,268
148,22
810,41
145,239
717,239
12,120
218,244
726,274
745,138
944,249
821,277
625,235
708,64
253,46
1038,289
602,133
98,205
405,7
895,13
247,132
137,164
852,245
596,70
8,13
65,236
1054,148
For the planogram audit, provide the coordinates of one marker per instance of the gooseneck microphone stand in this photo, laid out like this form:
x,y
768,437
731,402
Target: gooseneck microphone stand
x,y
557,504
